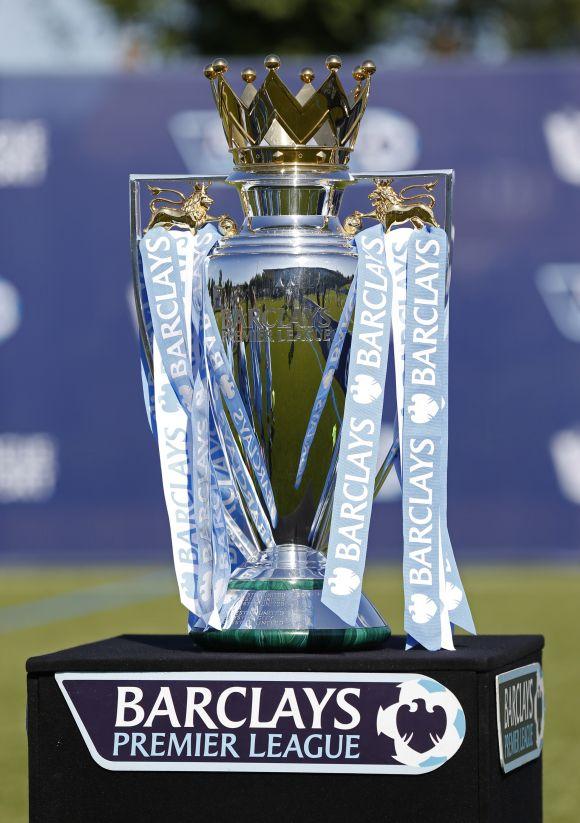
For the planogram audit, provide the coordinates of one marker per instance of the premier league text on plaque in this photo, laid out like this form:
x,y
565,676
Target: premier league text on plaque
x,y
208,721
520,715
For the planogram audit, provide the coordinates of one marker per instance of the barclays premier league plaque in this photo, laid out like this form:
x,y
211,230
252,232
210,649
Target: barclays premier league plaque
x,y
266,721
264,350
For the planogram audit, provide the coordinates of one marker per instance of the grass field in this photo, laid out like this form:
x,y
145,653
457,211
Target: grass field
x,y
43,610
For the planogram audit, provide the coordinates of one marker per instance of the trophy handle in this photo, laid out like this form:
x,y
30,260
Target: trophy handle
x,y
141,323
386,466
136,234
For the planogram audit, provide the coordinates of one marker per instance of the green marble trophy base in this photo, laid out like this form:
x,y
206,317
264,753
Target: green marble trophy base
x,y
275,604
315,640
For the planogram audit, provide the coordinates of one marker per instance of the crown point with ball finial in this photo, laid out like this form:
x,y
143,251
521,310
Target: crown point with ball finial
x,y
220,66
248,75
272,62
314,126
333,62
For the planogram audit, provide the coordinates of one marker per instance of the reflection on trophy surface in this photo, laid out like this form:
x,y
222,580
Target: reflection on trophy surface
x,y
280,322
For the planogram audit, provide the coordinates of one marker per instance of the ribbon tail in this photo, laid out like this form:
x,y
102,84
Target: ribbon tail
x,y
446,628
423,430
148,392
458,603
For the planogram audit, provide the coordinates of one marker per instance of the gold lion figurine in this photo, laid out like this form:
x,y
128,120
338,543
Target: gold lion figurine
x,y
392,208
189,212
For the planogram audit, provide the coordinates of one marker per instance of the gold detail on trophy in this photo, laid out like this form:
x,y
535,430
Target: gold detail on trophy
x,y
188,211
272,126
393,208
248,75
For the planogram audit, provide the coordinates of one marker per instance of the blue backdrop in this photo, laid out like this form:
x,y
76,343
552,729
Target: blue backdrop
x,y
79,470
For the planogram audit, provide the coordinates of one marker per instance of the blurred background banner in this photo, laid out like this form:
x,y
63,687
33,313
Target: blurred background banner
x,y
79,474
92,90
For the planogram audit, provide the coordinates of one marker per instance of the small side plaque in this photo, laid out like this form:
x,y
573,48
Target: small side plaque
x,y
520,715
265,721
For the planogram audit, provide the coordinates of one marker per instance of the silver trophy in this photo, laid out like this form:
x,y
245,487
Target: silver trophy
x,y
277,289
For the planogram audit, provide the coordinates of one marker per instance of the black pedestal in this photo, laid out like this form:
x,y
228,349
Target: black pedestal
x,y
66,784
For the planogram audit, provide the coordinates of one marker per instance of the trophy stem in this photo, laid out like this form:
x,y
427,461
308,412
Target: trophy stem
x,y
275,604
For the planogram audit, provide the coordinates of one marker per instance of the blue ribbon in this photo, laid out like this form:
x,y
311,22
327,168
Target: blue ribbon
x,y
173,389
360,432
432,586
203,586
434,595
161,273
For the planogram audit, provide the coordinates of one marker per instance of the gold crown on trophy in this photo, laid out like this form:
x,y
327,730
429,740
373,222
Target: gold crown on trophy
x,y
271,125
